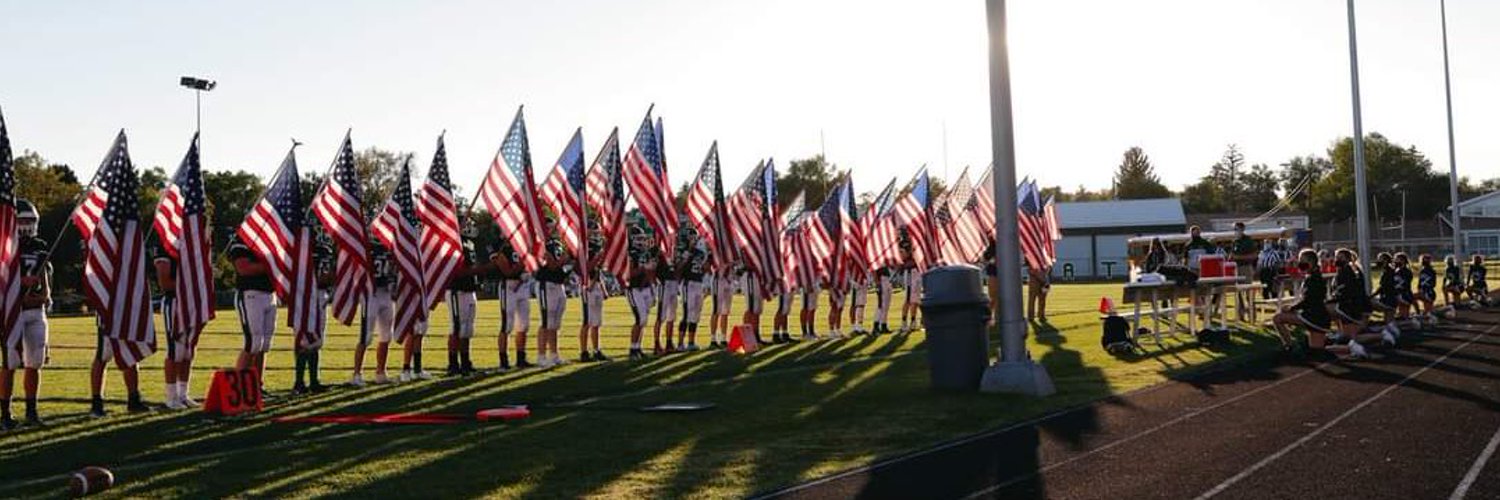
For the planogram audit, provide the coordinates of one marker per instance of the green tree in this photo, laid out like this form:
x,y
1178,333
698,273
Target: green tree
x,y
812,176
377,170
1390,170
53,189
1302,172
230,195
1136,178
1258,188
1231,186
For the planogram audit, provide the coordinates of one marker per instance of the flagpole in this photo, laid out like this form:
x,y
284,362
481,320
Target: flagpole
x,y
1016,372
1361,193
1458,242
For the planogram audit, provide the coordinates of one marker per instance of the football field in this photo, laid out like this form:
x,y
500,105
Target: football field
x,y
784,415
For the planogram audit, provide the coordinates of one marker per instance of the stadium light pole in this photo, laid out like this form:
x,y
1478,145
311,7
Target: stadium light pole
x,y
199,86
1458,238
1361,193
1016,372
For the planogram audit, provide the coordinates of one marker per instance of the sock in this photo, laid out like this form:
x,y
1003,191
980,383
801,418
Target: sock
x,y
182,391
635,346
463,356
135,397
416,361
5,410
504,358
312,367
30,407
452,354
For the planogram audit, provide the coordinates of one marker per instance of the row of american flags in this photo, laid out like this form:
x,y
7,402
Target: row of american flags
x,y
833,244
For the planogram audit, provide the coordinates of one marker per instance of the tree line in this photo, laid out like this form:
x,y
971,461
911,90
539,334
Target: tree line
x,y
1320,186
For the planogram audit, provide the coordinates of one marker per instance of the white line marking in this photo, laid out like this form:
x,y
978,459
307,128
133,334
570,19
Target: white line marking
x,y
1253,468
1463,486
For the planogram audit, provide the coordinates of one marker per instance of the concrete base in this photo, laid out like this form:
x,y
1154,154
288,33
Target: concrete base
x,y
1019,377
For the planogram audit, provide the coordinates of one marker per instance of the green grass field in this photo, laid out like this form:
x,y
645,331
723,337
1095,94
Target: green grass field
x,y
785,414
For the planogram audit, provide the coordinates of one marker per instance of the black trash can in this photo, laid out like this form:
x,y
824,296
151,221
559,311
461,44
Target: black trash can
x,y
956,313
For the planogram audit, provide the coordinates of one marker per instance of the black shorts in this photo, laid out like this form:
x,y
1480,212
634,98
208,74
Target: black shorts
x,y
1319,322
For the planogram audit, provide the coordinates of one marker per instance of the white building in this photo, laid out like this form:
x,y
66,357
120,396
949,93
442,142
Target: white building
x,y
1094,234
1480,223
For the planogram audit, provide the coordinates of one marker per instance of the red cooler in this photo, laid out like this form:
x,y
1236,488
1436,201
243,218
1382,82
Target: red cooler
x,y
1211,266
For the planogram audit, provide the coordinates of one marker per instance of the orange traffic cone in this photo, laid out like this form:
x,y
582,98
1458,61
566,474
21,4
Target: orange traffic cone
x,y
1106,305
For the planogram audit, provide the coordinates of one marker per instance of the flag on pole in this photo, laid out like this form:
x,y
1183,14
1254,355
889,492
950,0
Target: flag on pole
x,y
789,236
10,243
646,172
706,209
510,196
441,245
276,232
1032,227
856,263
563,191
964,241
605,193
826,237
983,206
114,272
182,224
339,207
913,212
398,228
879,229
751,225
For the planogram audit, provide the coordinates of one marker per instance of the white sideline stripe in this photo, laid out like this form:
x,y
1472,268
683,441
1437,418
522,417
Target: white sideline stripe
x,y
1253,468
1484,457
985,435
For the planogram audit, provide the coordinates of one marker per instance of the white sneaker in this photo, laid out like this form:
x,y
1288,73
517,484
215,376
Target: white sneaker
x,y
357,380
1357,351
405,376
544,362
188,401
558,360
380,378
422,375
174,404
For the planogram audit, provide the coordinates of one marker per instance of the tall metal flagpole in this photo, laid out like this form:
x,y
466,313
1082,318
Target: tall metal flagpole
x,y
1015,373
1458,238
1361,193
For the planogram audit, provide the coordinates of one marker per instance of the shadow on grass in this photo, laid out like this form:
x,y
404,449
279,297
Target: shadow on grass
x,y
786,415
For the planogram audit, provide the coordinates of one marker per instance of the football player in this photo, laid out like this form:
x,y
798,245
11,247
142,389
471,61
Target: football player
x,y
463,305
255,302
669,288
723,287
639,287
180,343
883,291
593,300
307,351
26,348
378,317
515,301
694,252
858,295
552,293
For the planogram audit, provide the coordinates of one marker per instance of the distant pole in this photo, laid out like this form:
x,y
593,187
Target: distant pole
x,y
945,150
198,111
1458,238
1016,372
1361,193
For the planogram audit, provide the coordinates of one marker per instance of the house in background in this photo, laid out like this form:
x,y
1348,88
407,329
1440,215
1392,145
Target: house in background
x,y
1480,224
1094,234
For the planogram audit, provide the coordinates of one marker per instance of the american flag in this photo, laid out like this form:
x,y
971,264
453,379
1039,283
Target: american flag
x,y
397,228
913,212
805,259
441,246
796,260
1032,227
183,226
563,191
751,214
983,205
707,211
605,193
965,243
856,262
941,220
646,172
827,235
10,245
337,205
877,227
969,229
509,194
275,230
114,274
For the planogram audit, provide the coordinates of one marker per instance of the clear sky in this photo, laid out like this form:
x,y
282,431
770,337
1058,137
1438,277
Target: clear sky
x,y
878,81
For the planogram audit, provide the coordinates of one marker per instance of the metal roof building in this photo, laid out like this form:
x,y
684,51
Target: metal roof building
x,y
1094,233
